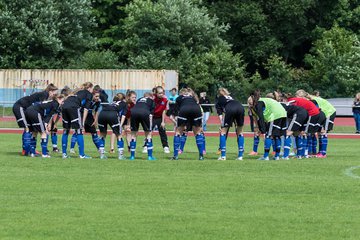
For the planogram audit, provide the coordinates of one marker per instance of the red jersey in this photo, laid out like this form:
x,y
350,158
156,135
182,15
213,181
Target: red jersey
x,y
129,107
161,104
307,104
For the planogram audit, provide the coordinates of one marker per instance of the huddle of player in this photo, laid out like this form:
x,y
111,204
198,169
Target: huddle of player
x,y
276,116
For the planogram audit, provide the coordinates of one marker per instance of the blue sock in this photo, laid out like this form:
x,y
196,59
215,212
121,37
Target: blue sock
x,y
27,136
267,146
80,141
73,140
324,144
309,145
277,146
241,142
299,146
320,142
64,140
256,143
287,146
177,144
183,139
101,143
132,147
223,145
120,145
149,145
54,139
314,146
44,142
95,139
273,143
33,145
200,143
304,145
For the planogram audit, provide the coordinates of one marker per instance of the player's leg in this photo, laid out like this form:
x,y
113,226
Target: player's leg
x,y
199,137
268,141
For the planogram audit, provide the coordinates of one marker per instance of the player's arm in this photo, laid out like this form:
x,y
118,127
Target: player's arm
x,y
163,119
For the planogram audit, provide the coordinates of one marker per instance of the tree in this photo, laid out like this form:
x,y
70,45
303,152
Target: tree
x,y
43,33
109,16
179,35
334,63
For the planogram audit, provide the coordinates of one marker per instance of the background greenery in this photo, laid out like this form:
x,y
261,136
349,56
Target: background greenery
x,y
274,44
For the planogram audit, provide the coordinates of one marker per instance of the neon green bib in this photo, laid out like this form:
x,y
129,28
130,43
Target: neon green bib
x,y
325,106
273,110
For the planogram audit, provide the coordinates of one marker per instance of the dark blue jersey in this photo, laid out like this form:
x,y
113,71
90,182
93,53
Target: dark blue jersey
x,y
184,101
103,96
119,107
82,99
292,109
46,109
94,107
144,104
224,103
34,98
356,107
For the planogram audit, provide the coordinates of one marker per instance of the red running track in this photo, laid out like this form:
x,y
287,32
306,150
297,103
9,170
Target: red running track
x,y
340,121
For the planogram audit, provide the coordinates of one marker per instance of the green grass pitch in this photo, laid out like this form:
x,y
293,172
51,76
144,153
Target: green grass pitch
x,y
186,199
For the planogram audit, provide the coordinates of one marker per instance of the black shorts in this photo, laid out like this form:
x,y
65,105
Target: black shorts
x,y
321,121
234,114
140,117
89,127
329,122
276,128
171,110
313,123
71,118
110,118
35,121
190,116
298,121
19,113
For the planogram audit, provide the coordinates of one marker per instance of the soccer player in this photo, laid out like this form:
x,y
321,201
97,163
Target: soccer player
x,y
161,105
315,116
298,117
130,99
270,119
330,114
230,111
72,119
256,137
23,103
39,116
189,115
90,122
207,110
103,95
112,114
171,113
142,113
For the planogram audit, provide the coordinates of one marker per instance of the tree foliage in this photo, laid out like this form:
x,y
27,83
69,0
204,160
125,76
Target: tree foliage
x,y
179,35
242,45
334,63
43,33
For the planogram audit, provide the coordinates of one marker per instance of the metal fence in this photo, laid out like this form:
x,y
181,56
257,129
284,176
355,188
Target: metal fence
x,y
16,83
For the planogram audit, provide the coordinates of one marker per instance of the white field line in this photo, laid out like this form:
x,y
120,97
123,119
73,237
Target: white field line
x,y
349,172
